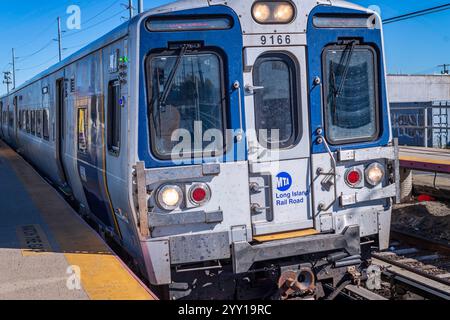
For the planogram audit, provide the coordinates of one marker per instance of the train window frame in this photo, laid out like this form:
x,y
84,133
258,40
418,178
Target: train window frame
x,y
296,105
378,123
33,122
82,113
23,125
46,120
11,118
225,100
28,123
114,113
20,120
39,123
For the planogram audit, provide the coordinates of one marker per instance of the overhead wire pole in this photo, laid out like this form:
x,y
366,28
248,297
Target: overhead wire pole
x,y
14,68
130,8
59,40
140,6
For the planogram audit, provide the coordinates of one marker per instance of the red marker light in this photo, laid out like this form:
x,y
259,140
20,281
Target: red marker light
x,y
353,177
199,194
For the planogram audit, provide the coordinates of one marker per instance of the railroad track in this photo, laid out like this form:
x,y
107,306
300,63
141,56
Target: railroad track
x,y
417,264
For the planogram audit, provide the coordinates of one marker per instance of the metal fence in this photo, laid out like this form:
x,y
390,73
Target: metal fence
x,y
422,124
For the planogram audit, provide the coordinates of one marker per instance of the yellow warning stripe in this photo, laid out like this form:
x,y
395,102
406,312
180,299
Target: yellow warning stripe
x,y
103,275
424,160
286,235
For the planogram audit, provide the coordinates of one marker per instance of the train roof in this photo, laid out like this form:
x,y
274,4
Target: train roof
x,y
122,30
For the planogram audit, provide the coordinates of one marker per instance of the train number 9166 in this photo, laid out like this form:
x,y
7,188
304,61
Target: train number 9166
x,y
276,40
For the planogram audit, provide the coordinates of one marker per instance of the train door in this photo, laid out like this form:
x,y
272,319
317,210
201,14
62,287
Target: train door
x,y
9,123
60,133
16,119
1,119
278,139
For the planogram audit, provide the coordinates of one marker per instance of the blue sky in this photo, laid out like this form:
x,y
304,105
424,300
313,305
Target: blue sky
x,y
412,46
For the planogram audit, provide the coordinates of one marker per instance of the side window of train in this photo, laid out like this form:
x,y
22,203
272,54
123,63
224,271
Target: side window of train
x,y
16,106
45,121
24,120
114,121
39,123
19,120
27,115
33,122
276,104
11,118
82,135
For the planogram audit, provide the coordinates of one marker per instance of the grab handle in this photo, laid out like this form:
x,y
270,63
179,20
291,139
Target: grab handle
x,y
240,134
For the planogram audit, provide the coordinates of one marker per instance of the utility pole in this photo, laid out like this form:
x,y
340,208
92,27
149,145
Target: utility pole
x,y
445,68
14,68
130,8
59,40
141,6
7,79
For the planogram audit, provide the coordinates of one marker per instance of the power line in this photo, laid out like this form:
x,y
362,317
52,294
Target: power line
x,y
103,11
27,43
95,25
39,65
417,14
48,44
23,58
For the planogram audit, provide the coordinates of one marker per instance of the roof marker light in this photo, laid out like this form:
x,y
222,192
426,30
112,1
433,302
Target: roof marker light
x,y
273,12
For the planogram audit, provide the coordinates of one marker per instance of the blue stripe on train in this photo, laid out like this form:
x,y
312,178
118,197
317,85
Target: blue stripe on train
x,y
230,42
318,39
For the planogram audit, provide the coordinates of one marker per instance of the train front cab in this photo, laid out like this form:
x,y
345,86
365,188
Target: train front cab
x,y
304,168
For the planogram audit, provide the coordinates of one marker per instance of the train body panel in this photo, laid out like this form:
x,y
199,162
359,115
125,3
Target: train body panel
x,y
212,145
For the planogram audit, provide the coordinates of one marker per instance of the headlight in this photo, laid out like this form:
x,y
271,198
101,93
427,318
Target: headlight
x,y
284,13
261,12
270,12
170,197
375,174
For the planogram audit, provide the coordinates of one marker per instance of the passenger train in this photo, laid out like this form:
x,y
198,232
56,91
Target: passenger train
x,y
235,149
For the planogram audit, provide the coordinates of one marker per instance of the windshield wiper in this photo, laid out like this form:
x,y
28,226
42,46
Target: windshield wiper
x,y
170,80
337,91
347,65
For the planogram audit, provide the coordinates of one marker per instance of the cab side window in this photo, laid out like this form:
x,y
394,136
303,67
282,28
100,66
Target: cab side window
x,y
114,121
82,130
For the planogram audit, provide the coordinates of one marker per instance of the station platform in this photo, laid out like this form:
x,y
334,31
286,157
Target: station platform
x,y
48,252
425,159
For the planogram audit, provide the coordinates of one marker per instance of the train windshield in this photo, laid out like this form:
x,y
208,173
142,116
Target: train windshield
x,y
275,102
187,102
351,99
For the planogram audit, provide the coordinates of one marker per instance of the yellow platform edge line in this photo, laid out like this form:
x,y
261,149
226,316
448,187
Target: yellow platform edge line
x,y
103,276
424,160
286,235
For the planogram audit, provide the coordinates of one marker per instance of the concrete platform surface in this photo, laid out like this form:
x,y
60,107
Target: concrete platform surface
x,y
47,252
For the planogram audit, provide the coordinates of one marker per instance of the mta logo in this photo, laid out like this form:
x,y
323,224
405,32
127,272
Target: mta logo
x,y
284,181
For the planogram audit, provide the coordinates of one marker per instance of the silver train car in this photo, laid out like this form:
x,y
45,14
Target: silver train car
x,y
234,149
